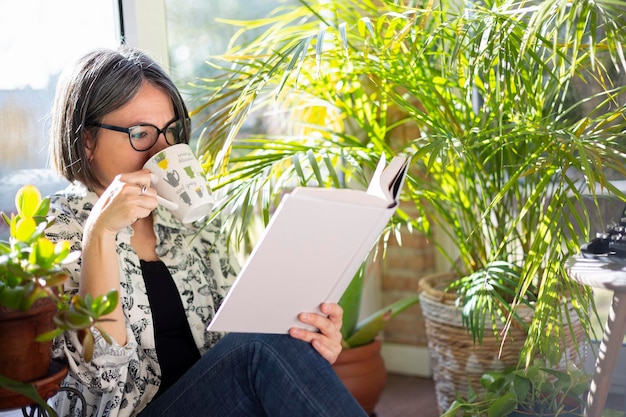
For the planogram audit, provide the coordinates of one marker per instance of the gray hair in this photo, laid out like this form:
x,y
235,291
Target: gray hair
x,y
100,82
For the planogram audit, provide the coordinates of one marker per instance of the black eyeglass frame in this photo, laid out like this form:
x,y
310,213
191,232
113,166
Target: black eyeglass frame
x,y
127,130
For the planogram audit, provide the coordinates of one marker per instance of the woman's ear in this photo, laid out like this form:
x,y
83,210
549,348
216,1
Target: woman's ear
x,y
90,143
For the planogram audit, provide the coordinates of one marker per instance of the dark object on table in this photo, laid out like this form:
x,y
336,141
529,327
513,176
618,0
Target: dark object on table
x,y
612,242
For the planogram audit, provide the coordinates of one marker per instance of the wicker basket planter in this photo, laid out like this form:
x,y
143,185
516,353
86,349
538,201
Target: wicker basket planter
x,y
455,361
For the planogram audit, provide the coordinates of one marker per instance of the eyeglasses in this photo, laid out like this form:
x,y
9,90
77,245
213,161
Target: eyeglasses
x,y
145,136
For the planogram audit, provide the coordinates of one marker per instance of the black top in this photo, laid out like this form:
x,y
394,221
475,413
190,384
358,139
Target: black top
x,y
175,347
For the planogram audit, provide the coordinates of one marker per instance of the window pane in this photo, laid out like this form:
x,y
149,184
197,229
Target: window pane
x,y
37,39
194,34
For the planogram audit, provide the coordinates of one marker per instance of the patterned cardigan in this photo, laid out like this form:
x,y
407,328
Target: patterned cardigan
x,y
121,380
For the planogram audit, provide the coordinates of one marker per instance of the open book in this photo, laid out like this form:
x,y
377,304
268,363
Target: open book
x,y
310,251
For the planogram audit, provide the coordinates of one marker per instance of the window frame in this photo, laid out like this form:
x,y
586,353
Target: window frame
x,y
143,24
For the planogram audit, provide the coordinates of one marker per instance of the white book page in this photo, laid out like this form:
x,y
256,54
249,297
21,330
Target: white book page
x,y
310,252
384,178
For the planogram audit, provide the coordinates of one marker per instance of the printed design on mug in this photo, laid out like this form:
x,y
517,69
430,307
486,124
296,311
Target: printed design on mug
x,y
172,178
192,174
161,160
180,182
185,197
191,187
189,171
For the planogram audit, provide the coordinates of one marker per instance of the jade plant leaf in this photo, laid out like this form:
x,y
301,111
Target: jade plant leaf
x,y
27,201
24,229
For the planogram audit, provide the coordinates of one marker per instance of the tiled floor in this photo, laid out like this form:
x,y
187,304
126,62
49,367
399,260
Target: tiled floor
x,y
408,396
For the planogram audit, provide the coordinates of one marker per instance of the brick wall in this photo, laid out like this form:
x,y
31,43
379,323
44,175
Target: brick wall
x,y
401,270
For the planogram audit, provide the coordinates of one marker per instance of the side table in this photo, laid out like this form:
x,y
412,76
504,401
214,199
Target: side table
x,y
46,387
610,273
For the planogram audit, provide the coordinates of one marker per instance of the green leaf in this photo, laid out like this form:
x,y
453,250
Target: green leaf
x,y
88,345
453,410
44,208
367,329
522,387
56,279
80,303
5,249
492,380
62,249
350,301
104,334
104,304
47,336
31,294
6,218
11,297
25,228
502,406
16,274
43,253
73,320
27,201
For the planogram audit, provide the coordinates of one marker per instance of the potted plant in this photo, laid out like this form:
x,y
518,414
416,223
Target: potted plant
x,y
33,307
505,151
360,364
534,391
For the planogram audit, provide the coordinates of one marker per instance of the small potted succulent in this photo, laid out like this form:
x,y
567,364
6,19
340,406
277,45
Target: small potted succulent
x,y
33,307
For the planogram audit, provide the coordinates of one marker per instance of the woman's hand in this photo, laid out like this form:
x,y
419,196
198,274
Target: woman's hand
x,y
328,340
127,199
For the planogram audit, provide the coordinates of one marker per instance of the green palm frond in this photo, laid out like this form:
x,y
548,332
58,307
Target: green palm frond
x,y
511,111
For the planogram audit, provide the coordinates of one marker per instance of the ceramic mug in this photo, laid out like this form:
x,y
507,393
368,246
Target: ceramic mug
x,y
180,183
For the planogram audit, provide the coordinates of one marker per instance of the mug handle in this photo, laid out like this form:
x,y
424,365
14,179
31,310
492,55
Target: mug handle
x,y
170,205
167,203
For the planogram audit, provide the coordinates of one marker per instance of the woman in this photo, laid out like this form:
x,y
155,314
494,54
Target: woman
x,y
113,111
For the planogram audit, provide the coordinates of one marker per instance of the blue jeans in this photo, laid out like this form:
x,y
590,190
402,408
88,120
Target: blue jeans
x,y
257,375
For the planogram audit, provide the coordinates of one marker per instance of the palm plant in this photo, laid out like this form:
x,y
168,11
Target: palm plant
x,y
484,97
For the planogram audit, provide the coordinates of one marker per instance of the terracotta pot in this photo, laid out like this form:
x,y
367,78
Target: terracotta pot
x,y
363,372
21,357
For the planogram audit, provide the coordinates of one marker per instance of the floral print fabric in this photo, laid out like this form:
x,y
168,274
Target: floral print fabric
x,y
121,380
